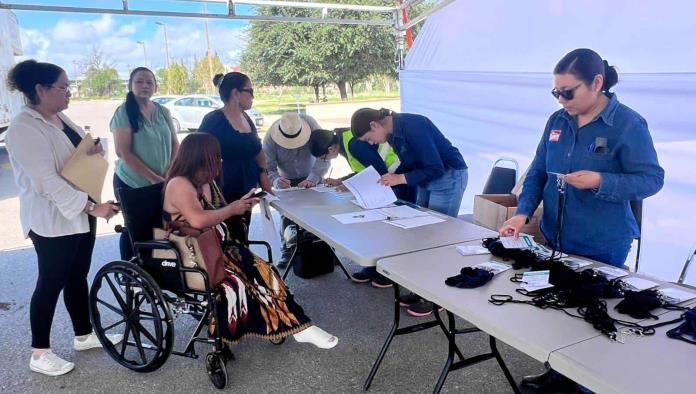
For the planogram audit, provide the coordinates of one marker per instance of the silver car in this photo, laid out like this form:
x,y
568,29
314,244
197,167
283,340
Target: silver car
x,y
188,111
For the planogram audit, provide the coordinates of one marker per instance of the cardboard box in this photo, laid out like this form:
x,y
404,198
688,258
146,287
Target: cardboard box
x,y
492,210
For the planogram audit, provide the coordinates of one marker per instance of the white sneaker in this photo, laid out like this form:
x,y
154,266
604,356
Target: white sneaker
x,y
92,341
50,364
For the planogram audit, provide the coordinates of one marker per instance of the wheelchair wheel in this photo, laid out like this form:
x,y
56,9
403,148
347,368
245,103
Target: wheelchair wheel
x,y
277,342
124,299
216,368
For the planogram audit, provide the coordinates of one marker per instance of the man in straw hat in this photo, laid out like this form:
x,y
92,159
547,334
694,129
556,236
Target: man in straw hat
x,y
291,164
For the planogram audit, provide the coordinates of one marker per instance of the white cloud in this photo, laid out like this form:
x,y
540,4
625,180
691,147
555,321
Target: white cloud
x,y
68,41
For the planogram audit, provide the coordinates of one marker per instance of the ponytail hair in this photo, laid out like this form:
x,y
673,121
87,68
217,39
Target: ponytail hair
x,y
135,117
321,140
360,122
585,64
26,75
228,82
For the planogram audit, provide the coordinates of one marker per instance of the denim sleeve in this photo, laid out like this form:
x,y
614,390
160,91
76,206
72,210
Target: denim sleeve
x,y
367,155
423,146
642,175
533,187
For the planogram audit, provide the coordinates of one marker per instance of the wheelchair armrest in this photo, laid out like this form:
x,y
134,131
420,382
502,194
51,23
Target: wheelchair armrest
x,y
268,249
152,245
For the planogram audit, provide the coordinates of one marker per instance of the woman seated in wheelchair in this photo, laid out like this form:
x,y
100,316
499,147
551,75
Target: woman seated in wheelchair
x,y
254,299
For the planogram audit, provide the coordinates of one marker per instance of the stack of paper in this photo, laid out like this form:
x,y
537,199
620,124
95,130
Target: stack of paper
x,y
575,263
676,296
368,193
360,216
493,267
86,172
325,189
525,241
535,280
414,222
611,273
471,250
638,284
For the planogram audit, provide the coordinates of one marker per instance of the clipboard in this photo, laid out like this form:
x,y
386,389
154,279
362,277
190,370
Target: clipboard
x,y
86,172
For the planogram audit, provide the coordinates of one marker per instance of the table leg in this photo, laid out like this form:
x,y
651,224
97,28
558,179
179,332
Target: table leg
x,y
385,347
506,371
300,233
451,348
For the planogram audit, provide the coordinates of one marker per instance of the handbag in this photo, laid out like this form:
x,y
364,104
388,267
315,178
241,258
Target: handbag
x,y
199,248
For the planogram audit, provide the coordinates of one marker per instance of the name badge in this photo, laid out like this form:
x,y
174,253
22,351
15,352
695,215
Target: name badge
x,y
555,135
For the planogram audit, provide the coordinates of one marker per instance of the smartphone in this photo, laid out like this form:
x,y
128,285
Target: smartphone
x,y
259,194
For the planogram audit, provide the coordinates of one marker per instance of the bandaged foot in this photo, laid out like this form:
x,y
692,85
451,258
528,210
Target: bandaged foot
x,y
317,337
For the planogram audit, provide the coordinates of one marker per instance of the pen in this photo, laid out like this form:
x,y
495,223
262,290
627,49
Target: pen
x,y
330,170
358,216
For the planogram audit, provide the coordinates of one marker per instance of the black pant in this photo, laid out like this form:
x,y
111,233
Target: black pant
x,y
63,265
124,242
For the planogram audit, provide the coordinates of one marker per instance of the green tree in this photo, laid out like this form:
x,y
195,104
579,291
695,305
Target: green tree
x,y
101,78
313,55
204,71
175,79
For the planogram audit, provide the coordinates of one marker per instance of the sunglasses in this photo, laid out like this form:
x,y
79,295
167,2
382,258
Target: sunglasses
x,y
248,90
567,94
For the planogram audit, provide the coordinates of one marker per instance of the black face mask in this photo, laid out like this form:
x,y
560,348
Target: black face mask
x,y
523,258
469,278
687,330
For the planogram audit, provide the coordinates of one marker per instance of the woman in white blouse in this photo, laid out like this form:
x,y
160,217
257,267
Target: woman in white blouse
x,y
59,219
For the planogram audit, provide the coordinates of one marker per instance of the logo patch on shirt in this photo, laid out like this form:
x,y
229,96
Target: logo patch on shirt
x,y
555,135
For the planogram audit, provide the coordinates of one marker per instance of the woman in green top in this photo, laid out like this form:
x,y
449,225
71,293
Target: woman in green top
x,y
145,140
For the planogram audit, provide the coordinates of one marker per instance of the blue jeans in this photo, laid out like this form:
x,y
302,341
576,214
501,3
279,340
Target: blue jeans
x,y
444,194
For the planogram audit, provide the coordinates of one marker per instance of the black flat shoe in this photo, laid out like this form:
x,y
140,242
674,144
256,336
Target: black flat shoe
x,y
549,382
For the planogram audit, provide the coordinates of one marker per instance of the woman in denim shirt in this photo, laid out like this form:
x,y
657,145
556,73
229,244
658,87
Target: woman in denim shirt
x,y
437,168
607,155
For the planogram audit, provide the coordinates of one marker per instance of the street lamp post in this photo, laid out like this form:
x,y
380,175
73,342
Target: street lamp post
x,y
166,50
144,52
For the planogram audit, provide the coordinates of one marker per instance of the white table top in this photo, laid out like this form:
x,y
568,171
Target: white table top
x,y
365,243
652,364
531,330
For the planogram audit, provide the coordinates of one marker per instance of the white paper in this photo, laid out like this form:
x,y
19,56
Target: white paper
x,y
611,272
471,250
270,233
493,267
359,217
545,252
270,198
402,212
575,263
288,189
639,284
535,287
525,241
536,278
675,295
367,190
358,204
324,189
414,222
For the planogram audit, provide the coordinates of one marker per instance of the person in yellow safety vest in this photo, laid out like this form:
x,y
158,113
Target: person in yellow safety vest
x,y
328,145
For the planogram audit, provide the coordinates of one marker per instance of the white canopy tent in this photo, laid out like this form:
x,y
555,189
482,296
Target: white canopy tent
x,y
481,70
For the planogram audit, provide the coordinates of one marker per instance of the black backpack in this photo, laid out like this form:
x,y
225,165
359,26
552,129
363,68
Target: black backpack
x,y
314,258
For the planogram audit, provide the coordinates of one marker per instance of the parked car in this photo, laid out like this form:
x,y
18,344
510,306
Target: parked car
x,y
188,111
163,99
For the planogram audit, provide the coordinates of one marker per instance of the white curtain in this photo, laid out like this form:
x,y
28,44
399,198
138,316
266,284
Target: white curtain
x,y
482,72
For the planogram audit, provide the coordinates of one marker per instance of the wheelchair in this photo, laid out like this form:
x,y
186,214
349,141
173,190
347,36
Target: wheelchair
x,y
139,298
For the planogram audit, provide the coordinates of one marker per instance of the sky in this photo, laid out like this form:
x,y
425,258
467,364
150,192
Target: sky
x,y
66,38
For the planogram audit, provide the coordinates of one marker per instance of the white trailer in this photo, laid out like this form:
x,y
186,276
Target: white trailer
x,y
10,46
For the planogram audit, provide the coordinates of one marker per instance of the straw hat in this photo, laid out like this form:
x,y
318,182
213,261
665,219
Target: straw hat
x,y
290,131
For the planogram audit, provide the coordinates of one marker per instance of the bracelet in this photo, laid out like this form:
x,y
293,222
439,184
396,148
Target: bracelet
x,y
263,170
90,207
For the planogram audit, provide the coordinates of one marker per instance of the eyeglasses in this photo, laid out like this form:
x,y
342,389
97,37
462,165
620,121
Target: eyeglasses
x,y
248,90
567,94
